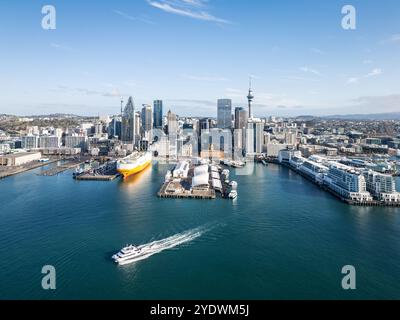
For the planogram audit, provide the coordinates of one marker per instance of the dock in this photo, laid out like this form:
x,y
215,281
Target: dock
x,y
90,177
106,172
61,168
171,189
11,171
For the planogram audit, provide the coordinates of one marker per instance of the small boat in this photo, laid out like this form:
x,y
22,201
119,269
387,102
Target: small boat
x,y
233,194
233,184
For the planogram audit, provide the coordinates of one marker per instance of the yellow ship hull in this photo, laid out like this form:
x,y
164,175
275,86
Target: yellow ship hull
x,y
127,173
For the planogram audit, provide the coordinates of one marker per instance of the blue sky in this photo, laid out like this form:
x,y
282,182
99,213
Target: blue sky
x,y
192,52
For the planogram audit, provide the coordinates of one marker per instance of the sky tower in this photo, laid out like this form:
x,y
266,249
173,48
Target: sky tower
x,y
250,98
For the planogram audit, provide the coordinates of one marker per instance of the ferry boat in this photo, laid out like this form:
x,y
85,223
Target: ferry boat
x,y
129,254
134,163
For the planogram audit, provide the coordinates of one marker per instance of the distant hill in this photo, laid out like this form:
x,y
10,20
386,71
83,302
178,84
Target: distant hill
x,y
373,116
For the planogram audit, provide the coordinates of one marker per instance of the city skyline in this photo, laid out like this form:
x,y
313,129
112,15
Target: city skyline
x,y
182,52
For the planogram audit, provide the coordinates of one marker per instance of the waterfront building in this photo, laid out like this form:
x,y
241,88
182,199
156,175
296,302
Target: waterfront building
x,y
314,170
254,136
76,141
128,135
158,114
286,155
18,159
30,142
224,114
381,186
348,182
49,142
272,149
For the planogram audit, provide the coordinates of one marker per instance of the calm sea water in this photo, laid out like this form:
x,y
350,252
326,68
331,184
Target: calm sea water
x,y
283,238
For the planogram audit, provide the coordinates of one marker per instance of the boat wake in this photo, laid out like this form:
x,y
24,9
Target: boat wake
x,y
155,247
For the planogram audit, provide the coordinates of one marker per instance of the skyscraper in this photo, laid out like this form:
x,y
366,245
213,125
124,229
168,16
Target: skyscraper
x,y
172,123
128,123
158,114
224,113
147,120
240,118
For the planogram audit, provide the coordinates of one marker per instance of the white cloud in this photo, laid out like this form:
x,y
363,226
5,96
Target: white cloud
x,y
310,70
127,16
188,8
374,72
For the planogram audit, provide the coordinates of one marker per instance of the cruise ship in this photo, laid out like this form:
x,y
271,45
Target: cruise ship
x,y
134,163
129,254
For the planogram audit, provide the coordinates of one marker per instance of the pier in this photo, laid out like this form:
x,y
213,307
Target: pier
x,y
195,182
61,168
11,171
106,172
175,191
89,177
373,203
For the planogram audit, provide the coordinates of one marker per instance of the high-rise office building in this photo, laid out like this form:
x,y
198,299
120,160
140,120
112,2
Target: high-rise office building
x,y
224,113
128,123
147,118
254,138
172,123
240,118
158,114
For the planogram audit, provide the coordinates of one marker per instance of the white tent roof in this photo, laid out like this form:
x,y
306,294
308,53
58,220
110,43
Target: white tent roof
x,y
200,170
200,180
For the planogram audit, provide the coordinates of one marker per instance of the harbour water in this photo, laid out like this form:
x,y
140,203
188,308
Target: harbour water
x,y
282,238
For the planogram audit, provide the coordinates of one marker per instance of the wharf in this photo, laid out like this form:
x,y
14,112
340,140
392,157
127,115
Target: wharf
x,y
373,203
61,168
90,177
173,190
11,171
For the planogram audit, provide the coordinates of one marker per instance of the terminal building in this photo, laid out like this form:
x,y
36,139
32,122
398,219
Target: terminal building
x,y
18,159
